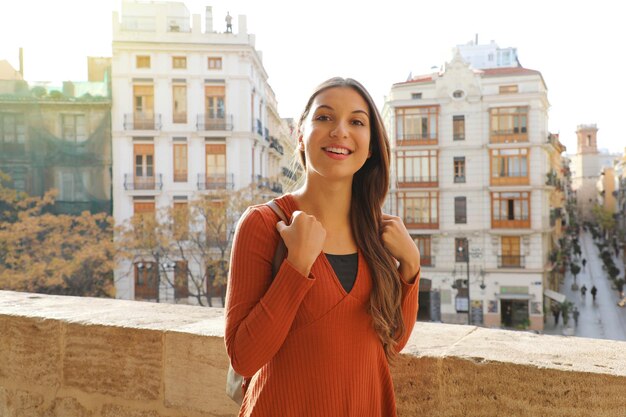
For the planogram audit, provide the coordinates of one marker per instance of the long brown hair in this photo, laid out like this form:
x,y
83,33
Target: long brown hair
x,y
369,188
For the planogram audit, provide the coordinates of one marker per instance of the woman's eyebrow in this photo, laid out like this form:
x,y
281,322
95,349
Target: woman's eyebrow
x,y
326,106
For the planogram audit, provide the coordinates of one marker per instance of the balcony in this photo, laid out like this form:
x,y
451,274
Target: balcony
x,y
274,144
208,123
428,261
407,139
142,121
416,182
509,136
414,223
215,182
96,356
511,261
153,183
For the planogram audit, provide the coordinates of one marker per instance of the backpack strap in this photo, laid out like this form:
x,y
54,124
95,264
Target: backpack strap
x,y
281,249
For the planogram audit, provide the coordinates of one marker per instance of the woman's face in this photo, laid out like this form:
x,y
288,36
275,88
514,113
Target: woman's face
x,y
335,135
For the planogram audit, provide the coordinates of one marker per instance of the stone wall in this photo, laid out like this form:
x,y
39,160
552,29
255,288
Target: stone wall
x,y
86,357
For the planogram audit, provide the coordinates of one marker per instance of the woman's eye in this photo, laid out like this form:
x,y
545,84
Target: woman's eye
x,y
358,122
322,117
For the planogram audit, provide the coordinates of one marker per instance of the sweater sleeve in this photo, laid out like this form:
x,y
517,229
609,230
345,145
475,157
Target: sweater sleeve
x,y
259,309
410,293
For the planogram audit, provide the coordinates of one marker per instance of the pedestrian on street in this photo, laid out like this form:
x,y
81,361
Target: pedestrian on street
x,y
556,312
576,314
583,290
594,291
584,263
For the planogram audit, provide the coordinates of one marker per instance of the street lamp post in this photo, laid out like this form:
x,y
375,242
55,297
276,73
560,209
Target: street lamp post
x,y
469,303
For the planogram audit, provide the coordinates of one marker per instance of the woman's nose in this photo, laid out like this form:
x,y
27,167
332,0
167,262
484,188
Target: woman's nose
x,y
340,130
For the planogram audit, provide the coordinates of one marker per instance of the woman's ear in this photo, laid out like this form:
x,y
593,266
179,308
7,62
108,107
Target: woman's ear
x,y
300,143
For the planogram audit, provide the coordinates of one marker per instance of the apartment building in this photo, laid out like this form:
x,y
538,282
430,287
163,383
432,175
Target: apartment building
x,y
192,113
57,137
474,174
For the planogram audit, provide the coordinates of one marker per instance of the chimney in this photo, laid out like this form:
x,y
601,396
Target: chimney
x,y
22,62
208,20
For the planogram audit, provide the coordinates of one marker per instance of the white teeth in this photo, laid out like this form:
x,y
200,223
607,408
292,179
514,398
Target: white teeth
x,y
342,151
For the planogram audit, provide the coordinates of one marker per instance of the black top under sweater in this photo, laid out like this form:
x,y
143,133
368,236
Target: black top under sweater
x,y
345,267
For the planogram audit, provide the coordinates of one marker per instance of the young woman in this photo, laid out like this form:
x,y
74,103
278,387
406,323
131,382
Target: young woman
x,y
317,338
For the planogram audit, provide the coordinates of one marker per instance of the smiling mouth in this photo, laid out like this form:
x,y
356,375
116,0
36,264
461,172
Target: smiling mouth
x,y
338,151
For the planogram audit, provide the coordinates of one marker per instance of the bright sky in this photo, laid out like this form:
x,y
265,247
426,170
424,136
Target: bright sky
x,y
577,46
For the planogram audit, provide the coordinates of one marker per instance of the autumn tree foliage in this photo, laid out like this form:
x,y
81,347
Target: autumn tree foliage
x,y
187,246
54,254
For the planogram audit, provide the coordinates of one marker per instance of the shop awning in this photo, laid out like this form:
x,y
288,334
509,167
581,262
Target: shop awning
x,y
556,296
514,296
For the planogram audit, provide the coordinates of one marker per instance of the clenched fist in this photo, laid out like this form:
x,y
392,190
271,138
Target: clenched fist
x,y
304,239
401,246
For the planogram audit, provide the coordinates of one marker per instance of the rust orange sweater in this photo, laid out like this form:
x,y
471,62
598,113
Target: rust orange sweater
x,y
309,347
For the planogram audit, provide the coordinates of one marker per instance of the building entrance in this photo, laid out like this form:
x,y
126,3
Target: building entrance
x,y
514,313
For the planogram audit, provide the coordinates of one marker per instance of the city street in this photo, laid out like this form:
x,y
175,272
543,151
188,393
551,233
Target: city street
x,y
601,319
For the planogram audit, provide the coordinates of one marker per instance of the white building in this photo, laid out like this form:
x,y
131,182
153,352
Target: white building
x,y
471,156
192,112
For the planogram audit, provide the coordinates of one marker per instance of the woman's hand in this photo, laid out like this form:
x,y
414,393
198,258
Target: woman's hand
x,y
401,246
304,238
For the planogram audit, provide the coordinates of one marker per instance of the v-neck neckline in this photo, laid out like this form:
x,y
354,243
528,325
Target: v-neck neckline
x,y
336,279
291,205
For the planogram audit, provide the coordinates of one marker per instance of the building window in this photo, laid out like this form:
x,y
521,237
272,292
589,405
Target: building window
x,y
510,251
144,160
460,210
143,61
423,243
143,99
180,162
12,132
419,209
510,210
417,125
215,63
181,220
458,94
73,127
509,124
181,280
417,167
214,104
179,62
461,249
509,166
458,127
179,103
144,219
416,96
508,89
459,169
215,164
146,280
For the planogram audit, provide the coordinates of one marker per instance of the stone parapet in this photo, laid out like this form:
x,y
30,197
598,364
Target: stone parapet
x,y
87,357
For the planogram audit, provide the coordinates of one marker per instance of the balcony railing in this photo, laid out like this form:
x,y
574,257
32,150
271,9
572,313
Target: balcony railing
x,y
458,136
511,261
408,181
427,260
276,187
429,138
215,182
509,135
132,182
274,144
206,122
142,121
416,223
